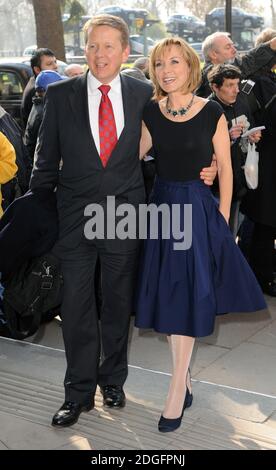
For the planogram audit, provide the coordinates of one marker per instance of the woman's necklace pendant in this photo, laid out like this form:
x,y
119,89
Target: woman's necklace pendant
x,y
181,111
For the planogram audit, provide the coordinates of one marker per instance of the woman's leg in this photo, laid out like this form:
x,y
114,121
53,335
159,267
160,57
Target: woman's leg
x,y
182,348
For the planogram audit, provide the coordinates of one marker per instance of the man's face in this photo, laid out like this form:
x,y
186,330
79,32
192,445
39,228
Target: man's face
x,y
105,53
229,90
48,62
223,51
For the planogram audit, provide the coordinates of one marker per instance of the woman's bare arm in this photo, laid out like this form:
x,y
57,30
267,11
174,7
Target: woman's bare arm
x,y
221,142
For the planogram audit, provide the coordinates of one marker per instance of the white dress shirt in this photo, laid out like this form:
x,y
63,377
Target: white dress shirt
x,y
94,99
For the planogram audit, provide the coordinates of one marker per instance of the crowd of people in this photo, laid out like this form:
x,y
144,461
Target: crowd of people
x,y
84,133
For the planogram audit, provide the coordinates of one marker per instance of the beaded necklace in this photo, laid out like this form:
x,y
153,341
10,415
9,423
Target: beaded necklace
x,y
181,111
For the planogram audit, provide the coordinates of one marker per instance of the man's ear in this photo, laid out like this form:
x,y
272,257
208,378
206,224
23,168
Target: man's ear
x,y
214,87
36,70
212,56
126,53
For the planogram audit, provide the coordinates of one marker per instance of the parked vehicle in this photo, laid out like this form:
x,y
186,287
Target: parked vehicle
x,y
137,44
28,51
215,19
15,73
197,46
14,76
186,26
71,51
128,14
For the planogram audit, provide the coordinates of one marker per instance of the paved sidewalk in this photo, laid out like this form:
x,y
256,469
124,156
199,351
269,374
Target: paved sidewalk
x,y
234,387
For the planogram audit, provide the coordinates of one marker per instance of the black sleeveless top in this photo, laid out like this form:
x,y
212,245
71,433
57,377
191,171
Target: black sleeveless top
x,y
182,149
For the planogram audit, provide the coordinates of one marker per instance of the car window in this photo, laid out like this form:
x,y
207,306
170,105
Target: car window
x,y
29,51
10,85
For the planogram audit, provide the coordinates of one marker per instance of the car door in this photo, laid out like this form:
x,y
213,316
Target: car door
x,y
11,90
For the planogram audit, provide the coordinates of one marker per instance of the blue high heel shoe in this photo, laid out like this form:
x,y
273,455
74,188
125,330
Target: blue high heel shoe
x,y
168,424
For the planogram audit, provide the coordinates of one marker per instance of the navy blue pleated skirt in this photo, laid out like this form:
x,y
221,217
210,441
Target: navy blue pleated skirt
x,y
182,291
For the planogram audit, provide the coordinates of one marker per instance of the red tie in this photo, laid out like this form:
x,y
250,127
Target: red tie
x,y
107,126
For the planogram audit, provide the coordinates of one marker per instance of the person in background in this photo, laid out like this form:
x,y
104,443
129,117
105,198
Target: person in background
x,y
259,205
42,59
73,70
20,184
186,281
218,48
135,73
142,63
8,167
225,80
42,81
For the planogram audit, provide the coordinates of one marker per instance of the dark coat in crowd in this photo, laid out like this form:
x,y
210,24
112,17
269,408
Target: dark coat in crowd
x,y
260,204
28,228
33,125
27,98
233,113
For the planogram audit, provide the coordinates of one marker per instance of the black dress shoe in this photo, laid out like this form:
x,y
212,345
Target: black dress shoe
x,y
69,413
113,396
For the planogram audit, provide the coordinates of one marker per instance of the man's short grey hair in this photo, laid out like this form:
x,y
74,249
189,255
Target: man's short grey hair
x,y
136,73
141,63
209,43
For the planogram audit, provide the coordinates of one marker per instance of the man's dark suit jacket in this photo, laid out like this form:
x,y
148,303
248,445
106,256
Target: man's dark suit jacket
x,y
66,135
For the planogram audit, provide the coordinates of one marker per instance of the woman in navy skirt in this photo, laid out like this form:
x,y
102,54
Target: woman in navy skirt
x,y
184,284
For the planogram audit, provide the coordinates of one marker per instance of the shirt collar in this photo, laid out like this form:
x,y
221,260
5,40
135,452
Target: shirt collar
x,y
94,83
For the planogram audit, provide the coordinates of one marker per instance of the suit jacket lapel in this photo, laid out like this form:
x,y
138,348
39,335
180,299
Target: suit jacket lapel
x,y
128,96
79,104
78,100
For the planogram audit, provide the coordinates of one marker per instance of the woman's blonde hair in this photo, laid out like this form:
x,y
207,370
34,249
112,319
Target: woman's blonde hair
x,y
189,55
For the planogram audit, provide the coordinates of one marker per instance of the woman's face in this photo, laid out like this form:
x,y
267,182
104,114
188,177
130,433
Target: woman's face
x,y
171,69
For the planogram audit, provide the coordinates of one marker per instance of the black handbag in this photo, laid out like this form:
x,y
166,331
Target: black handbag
x,y
32,292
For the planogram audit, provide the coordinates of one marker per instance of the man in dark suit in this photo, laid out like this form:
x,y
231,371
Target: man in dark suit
x,y
71,157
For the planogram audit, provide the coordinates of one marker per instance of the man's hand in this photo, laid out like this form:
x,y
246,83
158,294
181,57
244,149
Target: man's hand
x,y
254,138
208,174
236,131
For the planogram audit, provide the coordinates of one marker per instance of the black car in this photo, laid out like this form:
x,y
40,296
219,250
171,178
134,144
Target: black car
x,y
13,78
186,26
215,20
128,14
15,73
